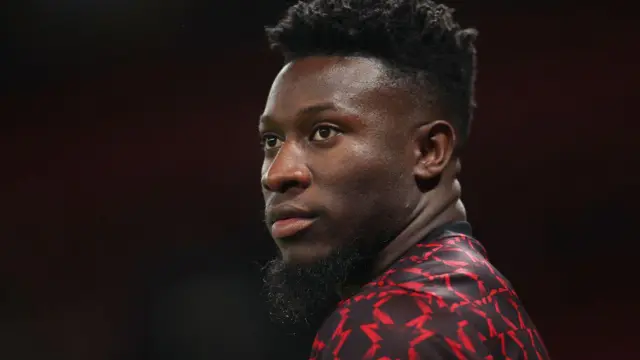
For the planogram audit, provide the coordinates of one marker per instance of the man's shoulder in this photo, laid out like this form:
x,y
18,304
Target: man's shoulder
x,y
446,297
386,305
395,322
389,321
453,270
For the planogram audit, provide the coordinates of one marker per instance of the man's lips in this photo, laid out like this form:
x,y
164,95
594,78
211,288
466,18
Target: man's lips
x,y
290,226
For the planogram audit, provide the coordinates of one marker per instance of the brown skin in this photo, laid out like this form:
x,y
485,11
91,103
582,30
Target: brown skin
x,y
345,143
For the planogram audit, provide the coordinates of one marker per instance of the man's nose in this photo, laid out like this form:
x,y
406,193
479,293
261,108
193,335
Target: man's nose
x,y
287,170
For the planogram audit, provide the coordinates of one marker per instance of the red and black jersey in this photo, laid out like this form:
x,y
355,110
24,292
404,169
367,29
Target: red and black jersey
x,y
441,300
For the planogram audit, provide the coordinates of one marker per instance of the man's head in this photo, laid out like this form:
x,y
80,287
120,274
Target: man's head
x,y
359,126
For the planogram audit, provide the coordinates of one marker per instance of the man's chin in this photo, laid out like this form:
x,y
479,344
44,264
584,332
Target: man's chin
x,y
302,291
290,289
293,260
304,252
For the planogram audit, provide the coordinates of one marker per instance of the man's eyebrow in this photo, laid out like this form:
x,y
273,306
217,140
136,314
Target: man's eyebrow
x,y
306,111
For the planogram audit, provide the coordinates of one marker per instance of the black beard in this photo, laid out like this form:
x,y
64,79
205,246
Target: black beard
x,y
303,295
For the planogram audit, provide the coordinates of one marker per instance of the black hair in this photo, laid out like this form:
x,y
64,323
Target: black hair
x,y
417,39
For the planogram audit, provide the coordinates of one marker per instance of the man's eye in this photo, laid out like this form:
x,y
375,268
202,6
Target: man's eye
x,y
323,133
270,142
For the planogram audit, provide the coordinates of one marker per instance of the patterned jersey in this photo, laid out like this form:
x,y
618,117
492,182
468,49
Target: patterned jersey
x,y
441,300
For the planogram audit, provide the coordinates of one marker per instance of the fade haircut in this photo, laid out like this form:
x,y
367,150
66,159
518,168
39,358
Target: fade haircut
x,y
417,40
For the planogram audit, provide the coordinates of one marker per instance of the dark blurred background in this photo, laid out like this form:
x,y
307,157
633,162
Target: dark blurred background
x,y
130,207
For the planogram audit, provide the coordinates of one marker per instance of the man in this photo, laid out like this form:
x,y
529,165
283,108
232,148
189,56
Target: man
x,y
362,135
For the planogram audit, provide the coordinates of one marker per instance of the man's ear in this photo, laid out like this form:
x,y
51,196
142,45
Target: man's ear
x,y
434,144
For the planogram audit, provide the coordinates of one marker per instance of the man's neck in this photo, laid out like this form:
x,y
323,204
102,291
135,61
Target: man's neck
x,y
430,218
440,207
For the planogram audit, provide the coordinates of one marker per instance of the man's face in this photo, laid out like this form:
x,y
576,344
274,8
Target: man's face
x,y
337,174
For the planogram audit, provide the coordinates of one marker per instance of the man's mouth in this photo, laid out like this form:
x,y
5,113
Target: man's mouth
x,y
290,226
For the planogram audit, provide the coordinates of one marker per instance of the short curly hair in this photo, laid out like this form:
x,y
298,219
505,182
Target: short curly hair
x,y
418,40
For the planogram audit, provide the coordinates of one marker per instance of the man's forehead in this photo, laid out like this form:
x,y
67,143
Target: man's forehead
x,y
322,79
333,70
